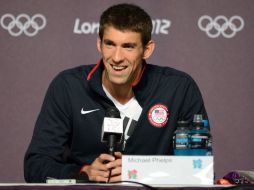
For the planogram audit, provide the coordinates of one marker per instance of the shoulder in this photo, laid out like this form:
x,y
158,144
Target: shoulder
x,y
71,77
78,73
163,72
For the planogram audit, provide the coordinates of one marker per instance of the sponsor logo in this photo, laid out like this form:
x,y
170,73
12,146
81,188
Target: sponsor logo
x,y
221,25
23,24
160,26
88,111
158,115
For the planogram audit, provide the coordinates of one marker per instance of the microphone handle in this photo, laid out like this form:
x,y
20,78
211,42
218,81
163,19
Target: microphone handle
x,y
111,144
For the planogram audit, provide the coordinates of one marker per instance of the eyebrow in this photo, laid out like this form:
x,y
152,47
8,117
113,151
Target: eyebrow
x,y
128,44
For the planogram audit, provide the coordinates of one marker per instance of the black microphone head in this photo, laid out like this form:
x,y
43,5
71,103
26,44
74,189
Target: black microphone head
x,y
112,112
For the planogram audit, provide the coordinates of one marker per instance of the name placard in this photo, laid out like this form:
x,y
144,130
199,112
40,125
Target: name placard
x,y
168,170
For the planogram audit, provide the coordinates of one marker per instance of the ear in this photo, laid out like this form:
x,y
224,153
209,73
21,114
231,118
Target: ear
x,y
99,44
148,50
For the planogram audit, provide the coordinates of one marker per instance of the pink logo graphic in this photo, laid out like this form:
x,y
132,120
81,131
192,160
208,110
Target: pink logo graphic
x,y
133,174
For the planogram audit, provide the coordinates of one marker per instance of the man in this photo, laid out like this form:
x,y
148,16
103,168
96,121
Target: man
x,y
151,99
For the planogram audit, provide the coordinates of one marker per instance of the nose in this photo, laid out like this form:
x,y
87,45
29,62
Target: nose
x,y
117,55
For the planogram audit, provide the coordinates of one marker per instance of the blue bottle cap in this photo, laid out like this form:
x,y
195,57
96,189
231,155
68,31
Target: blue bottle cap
x,y
205,121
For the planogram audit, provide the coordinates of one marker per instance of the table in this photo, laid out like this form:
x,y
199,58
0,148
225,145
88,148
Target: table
x,y
125,186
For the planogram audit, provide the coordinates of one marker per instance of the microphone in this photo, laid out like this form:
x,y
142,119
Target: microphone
x,y
112,129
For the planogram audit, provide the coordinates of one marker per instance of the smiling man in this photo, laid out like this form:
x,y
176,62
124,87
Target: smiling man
x,y
123,54
151,99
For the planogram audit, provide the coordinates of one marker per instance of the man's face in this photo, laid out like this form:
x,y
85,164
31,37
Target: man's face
x,y
122,54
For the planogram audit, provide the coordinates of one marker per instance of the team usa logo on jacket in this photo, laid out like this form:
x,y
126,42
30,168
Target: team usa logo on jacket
x,y
158,115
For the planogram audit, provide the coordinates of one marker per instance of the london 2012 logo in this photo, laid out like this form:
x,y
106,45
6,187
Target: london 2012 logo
x,y
23,24
160,26
221,25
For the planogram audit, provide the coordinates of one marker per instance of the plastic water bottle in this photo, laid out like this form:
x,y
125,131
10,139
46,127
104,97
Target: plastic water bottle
x,y
199,137
181,139
210,141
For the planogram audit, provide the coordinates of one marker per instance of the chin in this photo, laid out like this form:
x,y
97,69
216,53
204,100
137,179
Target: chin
x,y
118,82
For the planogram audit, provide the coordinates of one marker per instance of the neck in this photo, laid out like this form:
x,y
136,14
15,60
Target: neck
x,y
121,92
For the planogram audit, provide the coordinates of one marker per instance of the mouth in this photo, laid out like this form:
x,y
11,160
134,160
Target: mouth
x,y
118,68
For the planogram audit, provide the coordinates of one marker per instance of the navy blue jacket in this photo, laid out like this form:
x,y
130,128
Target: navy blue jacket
x,y
64,139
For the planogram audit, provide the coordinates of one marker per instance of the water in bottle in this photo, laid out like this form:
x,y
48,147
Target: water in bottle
x,y
181,139
199,137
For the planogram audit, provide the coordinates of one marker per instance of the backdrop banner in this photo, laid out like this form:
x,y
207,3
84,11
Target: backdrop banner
x,y
212,40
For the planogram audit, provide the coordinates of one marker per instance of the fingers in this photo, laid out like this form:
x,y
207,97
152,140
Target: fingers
x,y
116,169
116,178
118,154
105,157
99,171
114,164
98,176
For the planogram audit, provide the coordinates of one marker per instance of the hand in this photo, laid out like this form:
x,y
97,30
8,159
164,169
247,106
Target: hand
x,y
100,168
116,168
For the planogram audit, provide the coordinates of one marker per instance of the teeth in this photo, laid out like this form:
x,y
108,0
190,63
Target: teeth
x,y
118,67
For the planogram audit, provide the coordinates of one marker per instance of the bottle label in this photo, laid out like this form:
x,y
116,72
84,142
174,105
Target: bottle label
x,y
181,141
198,141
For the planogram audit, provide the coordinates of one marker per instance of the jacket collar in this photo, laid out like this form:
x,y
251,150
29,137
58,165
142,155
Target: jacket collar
x,y
94,78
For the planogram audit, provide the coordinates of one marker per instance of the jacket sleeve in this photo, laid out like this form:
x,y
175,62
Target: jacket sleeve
x,y
52,133
193,102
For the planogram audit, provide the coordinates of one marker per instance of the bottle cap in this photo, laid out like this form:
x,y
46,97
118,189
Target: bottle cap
x,y
206,123
198,121
198,118
183,123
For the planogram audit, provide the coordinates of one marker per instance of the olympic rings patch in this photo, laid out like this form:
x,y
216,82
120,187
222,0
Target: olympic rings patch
x,y
158,115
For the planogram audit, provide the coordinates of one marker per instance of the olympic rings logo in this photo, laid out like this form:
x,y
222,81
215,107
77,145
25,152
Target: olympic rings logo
x,y
220,25
23,23
159,119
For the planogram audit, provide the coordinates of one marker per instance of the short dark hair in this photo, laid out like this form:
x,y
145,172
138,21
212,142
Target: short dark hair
x,y
127,17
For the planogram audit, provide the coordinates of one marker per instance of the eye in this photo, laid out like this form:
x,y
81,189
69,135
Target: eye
x,y
129,46
109,43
